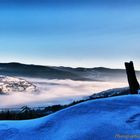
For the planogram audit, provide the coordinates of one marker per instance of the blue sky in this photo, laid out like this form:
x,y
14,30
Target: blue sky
x,y
70,33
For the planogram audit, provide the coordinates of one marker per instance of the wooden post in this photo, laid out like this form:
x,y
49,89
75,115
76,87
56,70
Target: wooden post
x,y
132,80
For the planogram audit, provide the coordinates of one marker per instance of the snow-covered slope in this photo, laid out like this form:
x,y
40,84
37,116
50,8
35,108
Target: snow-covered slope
x,y
93,120
14,84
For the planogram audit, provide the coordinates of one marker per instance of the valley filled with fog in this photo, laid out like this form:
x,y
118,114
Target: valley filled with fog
x,y
52,92
40,86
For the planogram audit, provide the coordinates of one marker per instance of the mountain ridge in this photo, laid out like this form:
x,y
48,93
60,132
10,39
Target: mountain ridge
x,y
61,72
35,65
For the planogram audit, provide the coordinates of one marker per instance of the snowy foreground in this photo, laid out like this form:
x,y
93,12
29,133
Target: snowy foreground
x,y
110,118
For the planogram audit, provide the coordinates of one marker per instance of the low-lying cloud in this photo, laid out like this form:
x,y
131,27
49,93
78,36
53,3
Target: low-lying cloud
x,y
50,92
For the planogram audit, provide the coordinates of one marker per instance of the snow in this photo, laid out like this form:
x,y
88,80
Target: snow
x,y
138,91
13,84
110,118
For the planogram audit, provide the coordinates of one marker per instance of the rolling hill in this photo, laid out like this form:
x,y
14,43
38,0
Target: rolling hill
x,y
110,118
50,72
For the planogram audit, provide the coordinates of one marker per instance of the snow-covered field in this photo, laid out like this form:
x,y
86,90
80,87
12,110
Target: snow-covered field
x,y
49,92
111,118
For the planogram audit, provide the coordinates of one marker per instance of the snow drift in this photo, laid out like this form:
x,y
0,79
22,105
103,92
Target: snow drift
x,y
110,118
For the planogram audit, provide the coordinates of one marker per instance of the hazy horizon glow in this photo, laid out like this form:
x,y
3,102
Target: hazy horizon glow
x,y
74,33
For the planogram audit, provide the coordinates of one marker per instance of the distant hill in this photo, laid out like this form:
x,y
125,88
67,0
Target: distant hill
x,y
52,72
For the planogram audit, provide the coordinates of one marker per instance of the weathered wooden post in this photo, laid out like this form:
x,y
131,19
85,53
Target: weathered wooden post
x,y
132,80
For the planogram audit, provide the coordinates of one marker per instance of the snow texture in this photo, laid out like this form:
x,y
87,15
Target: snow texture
x,y
14,84
111,118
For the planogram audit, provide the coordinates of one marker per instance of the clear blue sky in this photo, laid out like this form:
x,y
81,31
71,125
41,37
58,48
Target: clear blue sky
x,y
70,32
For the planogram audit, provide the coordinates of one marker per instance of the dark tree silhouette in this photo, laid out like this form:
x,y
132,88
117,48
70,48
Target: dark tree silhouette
x,y
132,80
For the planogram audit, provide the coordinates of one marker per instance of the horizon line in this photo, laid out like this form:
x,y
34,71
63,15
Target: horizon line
x,y
22,63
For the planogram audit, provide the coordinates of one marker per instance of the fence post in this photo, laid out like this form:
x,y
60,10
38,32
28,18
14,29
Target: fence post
x,y
131,76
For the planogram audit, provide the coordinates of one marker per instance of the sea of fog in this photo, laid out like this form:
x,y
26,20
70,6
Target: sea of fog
x,y
52,92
